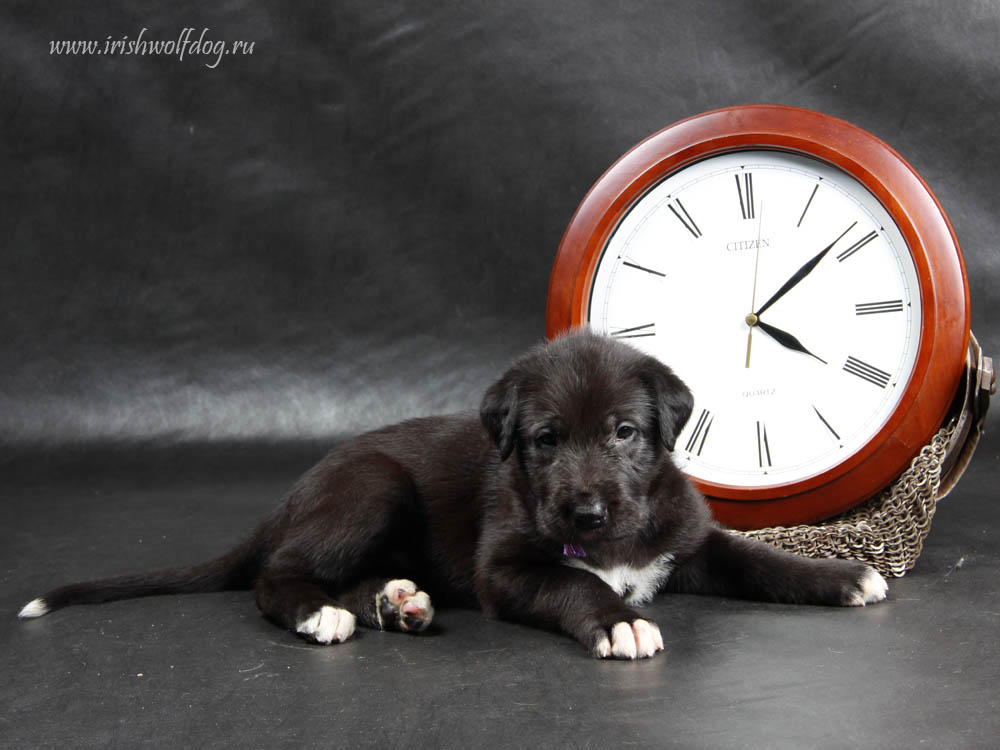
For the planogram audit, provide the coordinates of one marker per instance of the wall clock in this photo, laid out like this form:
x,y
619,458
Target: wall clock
x,y
803,280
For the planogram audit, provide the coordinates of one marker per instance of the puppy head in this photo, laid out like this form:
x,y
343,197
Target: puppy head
x,y
589,419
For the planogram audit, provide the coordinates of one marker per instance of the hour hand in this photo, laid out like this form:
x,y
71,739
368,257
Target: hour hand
x,y
786,339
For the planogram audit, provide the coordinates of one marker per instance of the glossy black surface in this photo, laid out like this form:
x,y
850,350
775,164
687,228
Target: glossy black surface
x,y
207,671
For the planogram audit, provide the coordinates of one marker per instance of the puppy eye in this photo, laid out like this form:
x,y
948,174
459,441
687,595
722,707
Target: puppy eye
x,y
626,432
546,439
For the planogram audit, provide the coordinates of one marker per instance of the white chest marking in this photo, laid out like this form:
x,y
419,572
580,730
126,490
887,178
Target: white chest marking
x,y
637,585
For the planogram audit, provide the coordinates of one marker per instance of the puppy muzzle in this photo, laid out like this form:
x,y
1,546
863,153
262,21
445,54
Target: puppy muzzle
x,y
589,515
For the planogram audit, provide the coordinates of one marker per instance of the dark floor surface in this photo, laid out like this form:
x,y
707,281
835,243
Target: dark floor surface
x,y
920,670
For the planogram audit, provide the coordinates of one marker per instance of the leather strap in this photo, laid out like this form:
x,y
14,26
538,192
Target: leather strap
x,y
968,413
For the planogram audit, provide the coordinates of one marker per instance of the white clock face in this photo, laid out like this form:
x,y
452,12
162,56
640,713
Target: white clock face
x,y
781,291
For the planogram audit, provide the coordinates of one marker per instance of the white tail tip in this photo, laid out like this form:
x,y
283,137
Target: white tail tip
x,y
34,608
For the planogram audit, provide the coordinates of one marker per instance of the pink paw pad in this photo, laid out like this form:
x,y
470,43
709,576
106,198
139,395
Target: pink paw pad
x,y
402,607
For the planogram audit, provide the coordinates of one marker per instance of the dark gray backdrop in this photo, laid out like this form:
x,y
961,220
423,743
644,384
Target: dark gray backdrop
x,y
356,222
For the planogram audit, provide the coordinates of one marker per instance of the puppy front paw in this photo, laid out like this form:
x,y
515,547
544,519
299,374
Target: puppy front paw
x,y
327,625
869,588
639,639
402,607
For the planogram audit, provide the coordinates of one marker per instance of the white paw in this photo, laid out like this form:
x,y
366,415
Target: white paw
x,y
397,590
327,625
401,606
871,588
640,640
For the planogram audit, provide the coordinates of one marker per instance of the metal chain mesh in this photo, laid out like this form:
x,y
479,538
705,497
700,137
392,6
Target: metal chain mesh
x,y
886,532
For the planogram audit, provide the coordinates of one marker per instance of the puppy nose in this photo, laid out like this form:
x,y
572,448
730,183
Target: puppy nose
x,y
590,515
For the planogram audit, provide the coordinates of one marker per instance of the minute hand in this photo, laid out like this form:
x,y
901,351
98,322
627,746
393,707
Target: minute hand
x,y
802,272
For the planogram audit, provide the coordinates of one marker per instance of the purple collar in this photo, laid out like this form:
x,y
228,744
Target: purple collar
x,y
573,550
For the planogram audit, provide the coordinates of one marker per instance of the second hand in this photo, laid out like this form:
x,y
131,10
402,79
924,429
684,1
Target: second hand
x,y
751,319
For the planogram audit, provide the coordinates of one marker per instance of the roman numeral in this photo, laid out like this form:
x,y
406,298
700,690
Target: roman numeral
x,y
636,332
630,264
746,195
874,308
697,439
684,219
827,424
857,246
808,203
763,448
867,372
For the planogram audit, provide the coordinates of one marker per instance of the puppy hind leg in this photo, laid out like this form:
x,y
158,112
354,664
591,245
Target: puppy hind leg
x,y
393,604
304,608
350,519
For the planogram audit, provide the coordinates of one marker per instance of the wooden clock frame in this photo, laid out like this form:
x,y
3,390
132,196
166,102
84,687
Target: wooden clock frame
x,y
944,332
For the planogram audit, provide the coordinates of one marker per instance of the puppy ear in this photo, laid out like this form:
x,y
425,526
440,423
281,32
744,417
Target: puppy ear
x,y
498,413
674,400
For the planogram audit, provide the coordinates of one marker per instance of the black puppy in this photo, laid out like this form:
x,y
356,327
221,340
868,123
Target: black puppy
x,y
559,507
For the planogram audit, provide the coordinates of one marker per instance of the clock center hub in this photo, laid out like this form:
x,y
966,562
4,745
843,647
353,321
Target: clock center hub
x,y
751,320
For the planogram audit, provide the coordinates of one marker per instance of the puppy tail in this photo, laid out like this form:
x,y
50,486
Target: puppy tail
x,y
234,570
